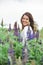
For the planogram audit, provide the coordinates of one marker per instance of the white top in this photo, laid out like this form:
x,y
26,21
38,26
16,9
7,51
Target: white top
x,y
24,34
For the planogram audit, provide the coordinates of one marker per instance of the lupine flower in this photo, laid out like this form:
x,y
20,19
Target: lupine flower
x,y
37,34
15,29
9,28
11,49
17,32
11,53
32,36
2,23
15,26
25,53
29,36
19,37
28,32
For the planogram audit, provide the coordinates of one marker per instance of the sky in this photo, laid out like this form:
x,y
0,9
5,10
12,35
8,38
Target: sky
x,y
12,10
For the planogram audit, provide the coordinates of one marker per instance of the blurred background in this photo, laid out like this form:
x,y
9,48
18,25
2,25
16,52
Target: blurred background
x,y
12,10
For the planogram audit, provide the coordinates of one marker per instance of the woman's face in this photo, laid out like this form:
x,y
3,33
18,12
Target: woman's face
x,y
25,20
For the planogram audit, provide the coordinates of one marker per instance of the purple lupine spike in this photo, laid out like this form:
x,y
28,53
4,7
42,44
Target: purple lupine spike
x,y
11,54
15,29
18,28
9,28
16,33
15,26
25,53
37,34
28,33
31,37
34,34
19,36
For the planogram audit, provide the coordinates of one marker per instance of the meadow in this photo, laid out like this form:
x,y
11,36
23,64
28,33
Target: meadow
x,y
11,49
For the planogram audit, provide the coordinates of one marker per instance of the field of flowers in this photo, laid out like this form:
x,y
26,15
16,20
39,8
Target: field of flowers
x,y
11,48
9,43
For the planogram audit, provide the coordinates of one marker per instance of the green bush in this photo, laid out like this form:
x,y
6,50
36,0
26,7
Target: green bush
x,y
4,54
35,51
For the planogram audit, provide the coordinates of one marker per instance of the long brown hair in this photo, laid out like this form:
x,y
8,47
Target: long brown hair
x,y
30,19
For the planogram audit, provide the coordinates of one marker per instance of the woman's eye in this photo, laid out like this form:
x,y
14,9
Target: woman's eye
x,y
26,19
23,18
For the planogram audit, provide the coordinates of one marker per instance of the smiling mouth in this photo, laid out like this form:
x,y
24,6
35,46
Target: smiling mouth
x,y
25,23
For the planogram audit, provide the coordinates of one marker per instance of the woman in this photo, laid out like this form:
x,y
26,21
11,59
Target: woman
x,y
27,26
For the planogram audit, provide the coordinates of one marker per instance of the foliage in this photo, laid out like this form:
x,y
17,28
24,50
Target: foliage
x,y
4,54
18,48
35,49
